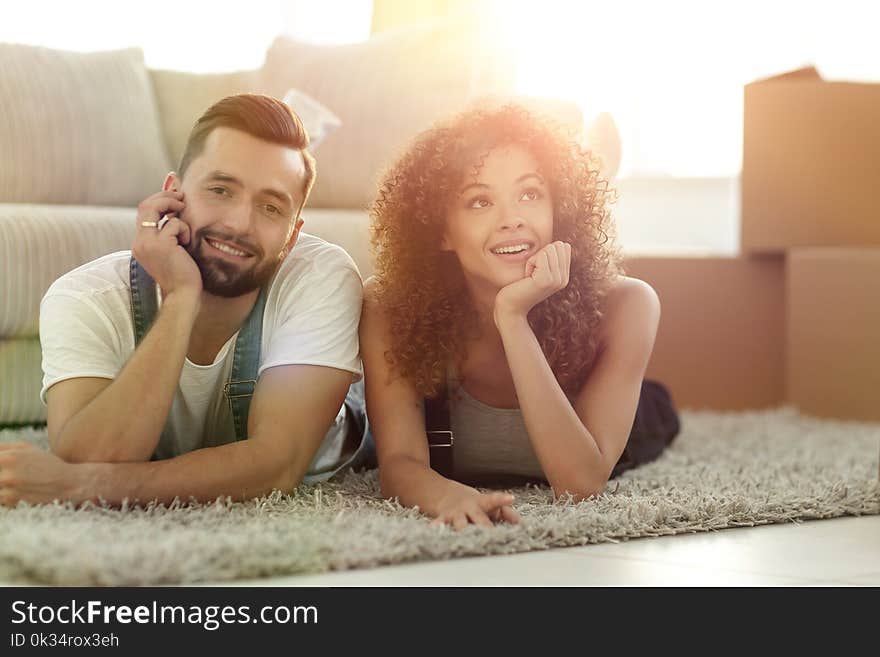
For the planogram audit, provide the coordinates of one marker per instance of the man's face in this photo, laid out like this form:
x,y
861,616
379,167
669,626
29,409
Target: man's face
x,y
241,195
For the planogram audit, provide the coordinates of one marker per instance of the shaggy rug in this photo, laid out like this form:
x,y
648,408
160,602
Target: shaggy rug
x,y
724,470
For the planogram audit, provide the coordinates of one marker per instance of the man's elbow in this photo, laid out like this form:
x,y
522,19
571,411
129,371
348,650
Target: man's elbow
x,y
72,453
71,450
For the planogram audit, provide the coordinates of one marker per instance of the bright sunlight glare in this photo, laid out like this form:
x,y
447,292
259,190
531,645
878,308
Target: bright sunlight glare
x,y
671,73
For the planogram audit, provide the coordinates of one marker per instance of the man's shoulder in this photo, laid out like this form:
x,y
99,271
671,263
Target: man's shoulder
x,y
313,256
316,273
107,273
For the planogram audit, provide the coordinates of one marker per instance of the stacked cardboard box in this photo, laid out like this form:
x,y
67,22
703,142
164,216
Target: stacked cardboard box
x,y
810,163
721,340
795,318
833,296
809,179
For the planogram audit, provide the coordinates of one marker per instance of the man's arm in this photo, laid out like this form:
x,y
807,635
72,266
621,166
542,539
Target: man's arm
x,y
292,409
90,420
96,420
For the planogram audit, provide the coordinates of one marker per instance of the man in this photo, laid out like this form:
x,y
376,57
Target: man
x,y
150,357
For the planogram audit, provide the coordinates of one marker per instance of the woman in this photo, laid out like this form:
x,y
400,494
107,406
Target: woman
x,y
498,288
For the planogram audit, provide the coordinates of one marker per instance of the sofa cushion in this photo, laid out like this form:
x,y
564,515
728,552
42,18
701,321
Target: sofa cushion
x,y
183,97
21,378
384,90
77,128
39,243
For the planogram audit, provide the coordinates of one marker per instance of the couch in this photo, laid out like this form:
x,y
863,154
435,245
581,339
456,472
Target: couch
x,y
84,137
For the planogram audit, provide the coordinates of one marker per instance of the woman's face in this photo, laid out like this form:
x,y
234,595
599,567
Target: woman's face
x,y
500,219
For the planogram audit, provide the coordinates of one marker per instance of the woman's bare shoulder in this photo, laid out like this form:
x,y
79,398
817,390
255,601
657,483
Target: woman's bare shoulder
x,y
631,303
374,322
371,295
370,286
627,289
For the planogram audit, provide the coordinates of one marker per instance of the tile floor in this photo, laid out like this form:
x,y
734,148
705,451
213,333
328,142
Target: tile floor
x,y
837,552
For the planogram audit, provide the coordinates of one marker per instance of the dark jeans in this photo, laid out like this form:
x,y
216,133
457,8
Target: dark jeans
x,y
655,425
359,429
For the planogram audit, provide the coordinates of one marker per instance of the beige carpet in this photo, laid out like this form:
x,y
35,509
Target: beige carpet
x,y
724,470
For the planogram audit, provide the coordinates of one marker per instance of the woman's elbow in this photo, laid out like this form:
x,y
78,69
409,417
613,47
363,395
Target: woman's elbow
x,y
287,478
578,489
388,487
288,482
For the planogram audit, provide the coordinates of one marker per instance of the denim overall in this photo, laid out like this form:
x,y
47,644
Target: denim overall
x,y
239,388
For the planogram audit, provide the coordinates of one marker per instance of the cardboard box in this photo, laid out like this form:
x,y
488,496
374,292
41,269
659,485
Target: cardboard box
x,y
834,332
721,340
809,171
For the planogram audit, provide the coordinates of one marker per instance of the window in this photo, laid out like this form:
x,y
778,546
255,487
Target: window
x,y
222,35
671,73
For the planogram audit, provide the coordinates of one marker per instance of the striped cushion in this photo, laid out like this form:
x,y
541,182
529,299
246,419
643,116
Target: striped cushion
x,y
40,243
21,376
77,128
384,90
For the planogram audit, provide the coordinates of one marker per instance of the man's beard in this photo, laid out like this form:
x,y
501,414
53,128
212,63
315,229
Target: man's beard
x,y
225,279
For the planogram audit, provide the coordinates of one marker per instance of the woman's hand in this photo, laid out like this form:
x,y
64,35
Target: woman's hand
x,y
545,273
464,505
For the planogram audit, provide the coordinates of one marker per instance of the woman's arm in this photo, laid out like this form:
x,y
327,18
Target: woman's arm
x,y
578,445
398,423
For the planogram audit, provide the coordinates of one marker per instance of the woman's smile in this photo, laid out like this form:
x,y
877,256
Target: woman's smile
x,y
514,251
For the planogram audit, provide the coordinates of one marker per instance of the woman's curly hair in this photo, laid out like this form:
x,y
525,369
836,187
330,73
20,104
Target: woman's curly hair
x,y
421,289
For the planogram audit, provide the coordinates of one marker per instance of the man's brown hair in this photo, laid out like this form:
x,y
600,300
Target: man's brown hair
x,y
260,116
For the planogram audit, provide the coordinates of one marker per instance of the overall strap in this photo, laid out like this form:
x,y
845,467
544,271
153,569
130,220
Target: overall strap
x,y
438,427
245,364
144,304
245,359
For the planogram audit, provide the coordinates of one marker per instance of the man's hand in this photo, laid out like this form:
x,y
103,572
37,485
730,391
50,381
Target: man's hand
x,y
464,505
545,273
160,249
30,474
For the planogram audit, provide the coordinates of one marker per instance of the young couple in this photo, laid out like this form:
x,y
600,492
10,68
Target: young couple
x,y
221,355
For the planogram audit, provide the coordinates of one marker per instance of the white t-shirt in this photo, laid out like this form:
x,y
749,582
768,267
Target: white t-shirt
x,y
311,317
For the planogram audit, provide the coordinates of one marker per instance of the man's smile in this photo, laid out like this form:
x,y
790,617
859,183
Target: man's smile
x,y
227,249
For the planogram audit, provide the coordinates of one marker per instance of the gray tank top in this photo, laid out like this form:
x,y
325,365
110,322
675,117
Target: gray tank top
x,y
489,442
